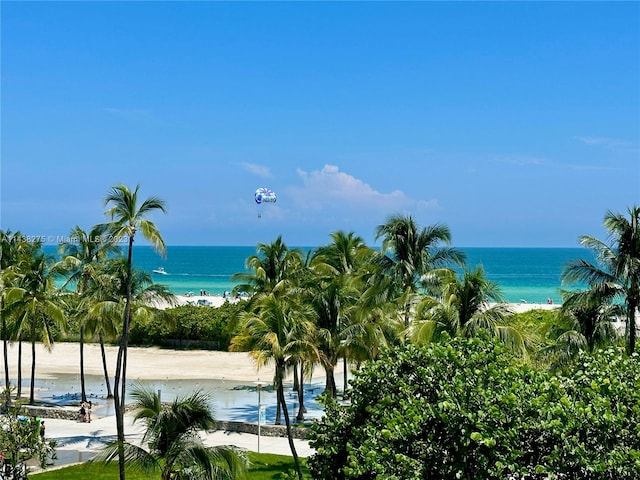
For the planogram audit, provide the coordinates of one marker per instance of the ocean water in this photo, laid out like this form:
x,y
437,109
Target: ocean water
x,y
523,274
529,274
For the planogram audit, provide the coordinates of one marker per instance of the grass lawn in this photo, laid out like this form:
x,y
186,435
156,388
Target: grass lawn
x,y
263,466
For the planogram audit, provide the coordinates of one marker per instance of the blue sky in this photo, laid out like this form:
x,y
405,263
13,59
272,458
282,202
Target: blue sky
x,y
515,124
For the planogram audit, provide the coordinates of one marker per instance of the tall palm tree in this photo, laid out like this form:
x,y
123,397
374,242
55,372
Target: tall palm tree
x,y
106,298
616,276
278,331
409,253
127,217
39,306
334,292
271,269
174,444
81,255
11,243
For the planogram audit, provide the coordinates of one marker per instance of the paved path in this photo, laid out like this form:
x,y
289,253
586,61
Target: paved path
x,y
78,442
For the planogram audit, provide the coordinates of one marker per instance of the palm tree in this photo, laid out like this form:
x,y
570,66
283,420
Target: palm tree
x,y
464,309
616,276
414,253
127,218
106,298
271,268
174,444
38,306
278,331
81,256
591,318
334,291
10,246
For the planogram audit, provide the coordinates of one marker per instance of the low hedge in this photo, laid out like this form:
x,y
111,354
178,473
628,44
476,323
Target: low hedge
x,y
190,326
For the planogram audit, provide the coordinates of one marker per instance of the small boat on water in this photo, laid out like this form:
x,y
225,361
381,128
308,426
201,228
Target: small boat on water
x,y
160,271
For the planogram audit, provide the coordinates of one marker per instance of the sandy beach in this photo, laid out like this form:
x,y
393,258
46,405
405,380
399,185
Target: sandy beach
x,y
202,300
150,363
145,363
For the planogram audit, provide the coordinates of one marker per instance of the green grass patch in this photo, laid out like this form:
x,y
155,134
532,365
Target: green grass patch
x,y
268,466
263,466
95,471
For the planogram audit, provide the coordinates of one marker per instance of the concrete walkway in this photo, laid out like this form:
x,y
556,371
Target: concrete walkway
x,y
78,442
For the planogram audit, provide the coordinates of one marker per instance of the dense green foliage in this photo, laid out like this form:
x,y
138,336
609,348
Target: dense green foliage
x,y
20,440
190,326
468,409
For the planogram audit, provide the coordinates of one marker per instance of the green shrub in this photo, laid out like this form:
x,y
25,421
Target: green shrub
x,y
467,409
190,326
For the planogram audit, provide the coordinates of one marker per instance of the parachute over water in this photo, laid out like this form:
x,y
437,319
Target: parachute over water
x,y
264,195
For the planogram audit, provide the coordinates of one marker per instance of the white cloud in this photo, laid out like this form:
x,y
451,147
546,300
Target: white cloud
x,y
259,170
331,188
607,142
520,160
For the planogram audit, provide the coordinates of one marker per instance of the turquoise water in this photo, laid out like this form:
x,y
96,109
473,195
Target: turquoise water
x,y
529,274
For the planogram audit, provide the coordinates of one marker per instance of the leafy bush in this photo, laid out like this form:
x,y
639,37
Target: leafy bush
x,y
467,409
604,436
192,326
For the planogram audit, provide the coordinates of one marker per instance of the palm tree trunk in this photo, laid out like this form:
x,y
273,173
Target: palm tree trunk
x,y
330,381
19,392
5,345
631,321
288,424
5,351
345,369
278,411
33,370
296,382
120,381
104,366
301,409
304,409
119,404
83,391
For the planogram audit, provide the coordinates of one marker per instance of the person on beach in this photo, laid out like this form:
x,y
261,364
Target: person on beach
x,y
42,429
89,405
83,413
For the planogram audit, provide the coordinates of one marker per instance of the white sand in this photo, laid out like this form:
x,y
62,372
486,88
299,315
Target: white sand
x,y
525,307
202,300
145,363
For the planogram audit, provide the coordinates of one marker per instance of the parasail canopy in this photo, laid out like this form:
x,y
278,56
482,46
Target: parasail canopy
x,y
264,195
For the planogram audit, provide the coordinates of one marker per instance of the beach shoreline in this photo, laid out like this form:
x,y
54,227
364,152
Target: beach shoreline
x,y
155,363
